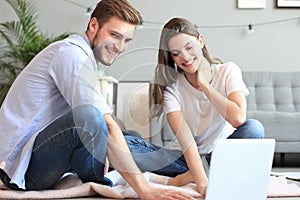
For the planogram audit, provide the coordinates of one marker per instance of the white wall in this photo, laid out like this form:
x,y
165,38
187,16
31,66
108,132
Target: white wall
x,y
273,46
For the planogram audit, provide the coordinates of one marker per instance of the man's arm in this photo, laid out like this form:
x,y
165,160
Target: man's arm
x,y
120,157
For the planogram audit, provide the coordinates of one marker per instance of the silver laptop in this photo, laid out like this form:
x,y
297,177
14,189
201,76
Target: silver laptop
x,y
240,169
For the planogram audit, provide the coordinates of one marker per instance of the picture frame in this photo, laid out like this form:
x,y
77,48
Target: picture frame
x,y
288,3
251,4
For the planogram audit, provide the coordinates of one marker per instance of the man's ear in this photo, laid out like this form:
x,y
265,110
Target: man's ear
x,y
93,25
201,40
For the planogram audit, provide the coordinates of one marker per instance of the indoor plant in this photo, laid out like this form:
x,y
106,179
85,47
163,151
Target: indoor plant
x,y
20,41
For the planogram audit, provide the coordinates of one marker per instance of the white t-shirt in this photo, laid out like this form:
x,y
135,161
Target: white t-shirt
x,y
204,121
62,76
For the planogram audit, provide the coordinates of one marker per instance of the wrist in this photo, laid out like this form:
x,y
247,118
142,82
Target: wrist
x,y
167,179
143,190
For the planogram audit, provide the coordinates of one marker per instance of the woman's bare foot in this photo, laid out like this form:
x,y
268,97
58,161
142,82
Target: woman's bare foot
x,y
181,179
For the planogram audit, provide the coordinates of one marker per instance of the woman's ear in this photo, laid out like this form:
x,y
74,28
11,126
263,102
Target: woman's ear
x,y
201,40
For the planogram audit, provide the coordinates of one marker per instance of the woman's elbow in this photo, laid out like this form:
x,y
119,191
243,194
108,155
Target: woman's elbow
x,y
238,121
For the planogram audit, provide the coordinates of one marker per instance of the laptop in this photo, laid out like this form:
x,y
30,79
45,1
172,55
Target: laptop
x,y
240,169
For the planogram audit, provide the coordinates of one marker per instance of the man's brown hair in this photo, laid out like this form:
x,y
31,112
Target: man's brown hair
x,y
106,9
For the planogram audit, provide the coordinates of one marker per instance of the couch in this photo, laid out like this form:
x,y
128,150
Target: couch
x,y
274,100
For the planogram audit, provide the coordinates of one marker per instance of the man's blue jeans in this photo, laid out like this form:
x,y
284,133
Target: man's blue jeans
x,y
168,162
76,141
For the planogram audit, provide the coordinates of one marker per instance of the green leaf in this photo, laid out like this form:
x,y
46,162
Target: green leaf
x,y
22,40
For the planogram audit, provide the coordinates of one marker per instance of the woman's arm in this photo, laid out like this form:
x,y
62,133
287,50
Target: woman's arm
x,y
189,148
233,108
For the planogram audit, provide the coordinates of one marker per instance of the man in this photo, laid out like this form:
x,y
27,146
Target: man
x,y
54,119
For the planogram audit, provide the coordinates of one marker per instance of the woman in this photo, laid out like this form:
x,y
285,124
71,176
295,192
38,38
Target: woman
x,y
203,98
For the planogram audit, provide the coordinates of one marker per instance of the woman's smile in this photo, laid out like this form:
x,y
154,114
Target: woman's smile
x,y
189,63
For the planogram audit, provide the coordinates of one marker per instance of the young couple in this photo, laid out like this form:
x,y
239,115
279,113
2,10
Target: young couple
x,y
54,119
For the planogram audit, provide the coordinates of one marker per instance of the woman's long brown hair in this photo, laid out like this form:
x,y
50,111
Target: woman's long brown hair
x,y
166,71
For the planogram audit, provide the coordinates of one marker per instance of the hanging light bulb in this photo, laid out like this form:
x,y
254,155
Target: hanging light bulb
x,y
250,28
89,10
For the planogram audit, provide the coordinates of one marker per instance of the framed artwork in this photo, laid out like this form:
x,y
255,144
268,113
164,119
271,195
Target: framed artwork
x,y
288,3
251,3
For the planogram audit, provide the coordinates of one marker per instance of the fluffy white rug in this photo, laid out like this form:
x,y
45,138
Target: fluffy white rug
x,y
71,188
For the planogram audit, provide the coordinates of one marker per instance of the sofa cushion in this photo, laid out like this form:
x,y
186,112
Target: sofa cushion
x,y
273,91
274,100
283,126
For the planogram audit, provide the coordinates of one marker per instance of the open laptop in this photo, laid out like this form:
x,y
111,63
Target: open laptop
x,y
240,169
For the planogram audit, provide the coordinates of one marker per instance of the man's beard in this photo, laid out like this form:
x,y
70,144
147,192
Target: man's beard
x,y
98,52
98,55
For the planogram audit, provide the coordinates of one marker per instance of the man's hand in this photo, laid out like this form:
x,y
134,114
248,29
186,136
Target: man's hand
x,y
166,194
121,158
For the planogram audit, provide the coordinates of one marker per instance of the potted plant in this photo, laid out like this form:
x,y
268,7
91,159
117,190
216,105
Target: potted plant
x,y
20,41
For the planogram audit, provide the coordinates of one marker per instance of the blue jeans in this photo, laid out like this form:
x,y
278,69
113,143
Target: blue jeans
x,y
159,160
75,142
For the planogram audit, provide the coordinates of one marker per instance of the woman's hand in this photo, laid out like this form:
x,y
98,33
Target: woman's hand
x,y
202,82
185,178
202,187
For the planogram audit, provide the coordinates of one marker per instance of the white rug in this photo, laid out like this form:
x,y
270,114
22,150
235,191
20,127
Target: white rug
x,y
278,187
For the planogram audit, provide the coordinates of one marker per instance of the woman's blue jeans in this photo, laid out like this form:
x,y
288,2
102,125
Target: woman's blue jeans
x,y
168,162
75,142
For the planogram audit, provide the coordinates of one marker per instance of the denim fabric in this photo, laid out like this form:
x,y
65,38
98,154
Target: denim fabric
x,y
76,141
159,160
168,162
251,129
